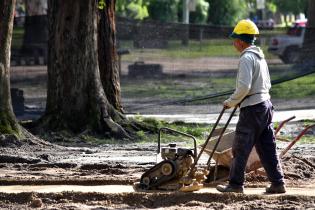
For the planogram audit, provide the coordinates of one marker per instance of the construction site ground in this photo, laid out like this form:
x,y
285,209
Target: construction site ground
x,y
76,175
36,173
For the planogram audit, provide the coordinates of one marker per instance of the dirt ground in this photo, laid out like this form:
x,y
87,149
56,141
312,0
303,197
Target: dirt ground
x,y
36,162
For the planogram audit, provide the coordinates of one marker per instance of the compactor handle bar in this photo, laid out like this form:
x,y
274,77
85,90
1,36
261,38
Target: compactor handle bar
x,y
221,134
177,132
210,135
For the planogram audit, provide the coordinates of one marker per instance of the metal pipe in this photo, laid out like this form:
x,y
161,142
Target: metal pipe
x,y
208,139
220,137
295,140
186,11
282,124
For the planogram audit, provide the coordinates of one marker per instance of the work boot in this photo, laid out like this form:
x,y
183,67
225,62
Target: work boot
x,y
229,188
274,189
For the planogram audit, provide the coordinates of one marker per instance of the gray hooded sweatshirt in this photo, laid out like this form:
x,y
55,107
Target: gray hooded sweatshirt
x,y
253,80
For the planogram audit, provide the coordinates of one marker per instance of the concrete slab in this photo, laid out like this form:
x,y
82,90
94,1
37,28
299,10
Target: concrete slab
x,y
305,114
113,189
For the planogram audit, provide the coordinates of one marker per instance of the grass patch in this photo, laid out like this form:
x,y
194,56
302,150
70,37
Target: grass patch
x,y
307,140
303,87
199,131
195,49
206,48
175,88
308,122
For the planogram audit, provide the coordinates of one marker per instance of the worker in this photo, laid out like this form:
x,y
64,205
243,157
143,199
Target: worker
x,y
254,126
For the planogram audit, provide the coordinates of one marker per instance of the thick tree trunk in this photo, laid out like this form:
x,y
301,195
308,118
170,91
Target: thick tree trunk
x,y
76,100
308,50
8,122
108,58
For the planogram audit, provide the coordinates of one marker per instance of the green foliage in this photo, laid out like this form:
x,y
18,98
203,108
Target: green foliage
x,y
101,4
227,12
295,7
136,9
308,122
163,10
142,136
201,13
271,6
222,12
153,122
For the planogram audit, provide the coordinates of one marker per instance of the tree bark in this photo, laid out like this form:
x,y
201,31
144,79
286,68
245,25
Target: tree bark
x,y
308,50
8,122
107,54
76,100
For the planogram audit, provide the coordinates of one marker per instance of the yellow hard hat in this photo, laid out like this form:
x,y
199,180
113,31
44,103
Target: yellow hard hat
x,y
246,30
246,27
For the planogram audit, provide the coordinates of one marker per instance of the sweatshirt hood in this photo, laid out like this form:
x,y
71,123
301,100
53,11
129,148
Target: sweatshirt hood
x,y
256,50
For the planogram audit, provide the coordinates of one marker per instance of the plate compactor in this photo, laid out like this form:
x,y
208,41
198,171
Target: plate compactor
x,y
177,170
170,173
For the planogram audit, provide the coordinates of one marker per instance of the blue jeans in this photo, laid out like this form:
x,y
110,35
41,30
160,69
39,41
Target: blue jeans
x,y
254,129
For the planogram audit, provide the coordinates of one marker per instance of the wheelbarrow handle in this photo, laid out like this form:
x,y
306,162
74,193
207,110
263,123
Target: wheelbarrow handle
x,y
282,124
211,133
302,133
220,137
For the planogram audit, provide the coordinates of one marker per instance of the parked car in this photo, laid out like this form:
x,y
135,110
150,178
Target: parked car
x,y
265,24
288,46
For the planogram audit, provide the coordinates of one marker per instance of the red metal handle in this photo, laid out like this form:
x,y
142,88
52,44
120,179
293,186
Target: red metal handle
x,y
282,124
295,140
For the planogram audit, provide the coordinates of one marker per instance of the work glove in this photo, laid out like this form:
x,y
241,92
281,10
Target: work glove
x,y
226,104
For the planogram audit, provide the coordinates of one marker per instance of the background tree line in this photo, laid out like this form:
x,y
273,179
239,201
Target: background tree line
x,y
216,12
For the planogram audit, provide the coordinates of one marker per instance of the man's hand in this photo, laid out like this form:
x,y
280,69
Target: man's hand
x,y
226,104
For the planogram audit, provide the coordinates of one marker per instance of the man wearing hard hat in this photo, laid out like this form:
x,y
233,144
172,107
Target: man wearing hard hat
x,y
254,125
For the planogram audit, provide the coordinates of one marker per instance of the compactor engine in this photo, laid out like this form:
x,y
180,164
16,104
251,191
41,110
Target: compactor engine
x,y
169,173
175,165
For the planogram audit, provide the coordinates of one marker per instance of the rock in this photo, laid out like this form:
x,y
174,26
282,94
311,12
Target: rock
x,y
36,203
44,157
